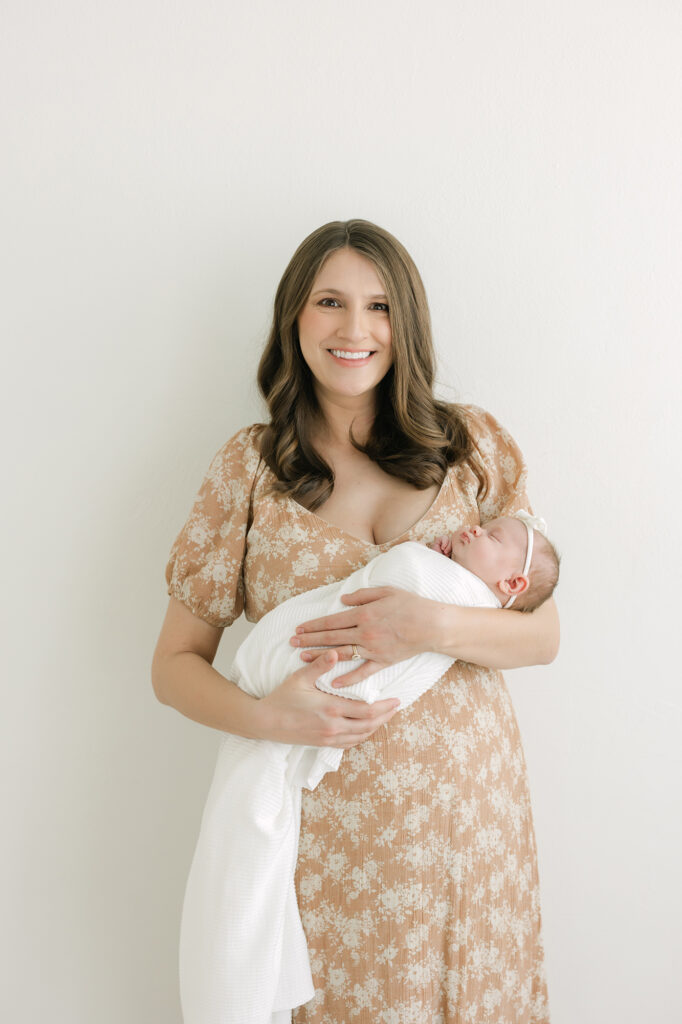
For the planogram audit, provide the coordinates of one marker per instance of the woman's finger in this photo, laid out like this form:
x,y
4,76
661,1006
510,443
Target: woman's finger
x,y
366,594
345,653
340,620
358,709
330,638
317,652
362,731
357,675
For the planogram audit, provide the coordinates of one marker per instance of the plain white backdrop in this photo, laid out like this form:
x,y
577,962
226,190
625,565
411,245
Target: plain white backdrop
x,y
161,163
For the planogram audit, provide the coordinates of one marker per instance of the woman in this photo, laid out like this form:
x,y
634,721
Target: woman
x,y
417,876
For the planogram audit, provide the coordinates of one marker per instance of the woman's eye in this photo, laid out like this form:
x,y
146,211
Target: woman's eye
x,y
332,303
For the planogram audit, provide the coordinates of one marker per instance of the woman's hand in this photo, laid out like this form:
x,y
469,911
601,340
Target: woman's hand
x,y
297,712
386,625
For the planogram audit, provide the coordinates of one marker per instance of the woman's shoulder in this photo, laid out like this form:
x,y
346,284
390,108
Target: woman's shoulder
x,y
476,417
500,458
241,452
485,429
234,468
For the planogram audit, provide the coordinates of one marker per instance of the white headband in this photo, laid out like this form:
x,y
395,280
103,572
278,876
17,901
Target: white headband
x,y
531,523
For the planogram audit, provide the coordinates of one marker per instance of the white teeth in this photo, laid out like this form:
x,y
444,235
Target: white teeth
x,y
349,355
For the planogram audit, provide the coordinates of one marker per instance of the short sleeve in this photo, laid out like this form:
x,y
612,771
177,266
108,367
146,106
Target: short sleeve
x,y
204,568
504,465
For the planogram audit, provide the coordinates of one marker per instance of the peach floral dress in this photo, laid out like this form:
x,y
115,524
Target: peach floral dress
x,y
417,874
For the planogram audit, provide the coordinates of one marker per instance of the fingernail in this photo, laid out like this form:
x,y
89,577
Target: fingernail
x,y
306,656
295,642
299,629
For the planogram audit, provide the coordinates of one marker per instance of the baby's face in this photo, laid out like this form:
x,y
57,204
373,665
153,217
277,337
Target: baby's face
x,y
494,552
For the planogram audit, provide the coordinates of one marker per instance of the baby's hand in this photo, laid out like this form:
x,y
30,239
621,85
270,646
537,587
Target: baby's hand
x,y
442,544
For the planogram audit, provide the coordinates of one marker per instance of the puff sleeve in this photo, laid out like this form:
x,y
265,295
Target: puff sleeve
x,y
504,464
204,568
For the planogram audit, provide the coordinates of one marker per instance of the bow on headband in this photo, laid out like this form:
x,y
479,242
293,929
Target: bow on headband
x,y
535,522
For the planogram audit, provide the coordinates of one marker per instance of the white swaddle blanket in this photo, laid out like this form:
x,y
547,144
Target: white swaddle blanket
x,y
243,953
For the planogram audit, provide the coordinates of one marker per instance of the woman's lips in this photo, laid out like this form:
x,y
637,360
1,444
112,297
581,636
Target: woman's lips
x,y
350,362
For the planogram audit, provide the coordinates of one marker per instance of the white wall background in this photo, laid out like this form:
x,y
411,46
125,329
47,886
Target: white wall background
x,y
161,163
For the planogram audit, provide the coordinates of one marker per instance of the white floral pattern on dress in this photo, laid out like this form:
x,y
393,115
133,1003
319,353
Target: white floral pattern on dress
x,y
417,871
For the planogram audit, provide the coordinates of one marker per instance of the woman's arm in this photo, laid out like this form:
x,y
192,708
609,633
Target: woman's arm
x,y
388,625
296,712
485,636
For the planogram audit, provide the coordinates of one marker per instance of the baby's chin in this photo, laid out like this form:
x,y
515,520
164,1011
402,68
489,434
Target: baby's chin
x,y
472,568
464,562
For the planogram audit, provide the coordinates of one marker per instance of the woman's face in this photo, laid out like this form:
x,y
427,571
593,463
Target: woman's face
x,y
344,327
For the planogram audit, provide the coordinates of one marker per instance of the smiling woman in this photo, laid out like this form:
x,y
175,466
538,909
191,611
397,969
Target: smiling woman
x,y
344,328
416,875
351,288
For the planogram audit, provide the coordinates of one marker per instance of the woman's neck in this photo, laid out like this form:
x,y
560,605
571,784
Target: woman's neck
x,y
337,416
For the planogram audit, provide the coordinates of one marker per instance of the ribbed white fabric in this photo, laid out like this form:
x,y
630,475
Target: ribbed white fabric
x,y
243,953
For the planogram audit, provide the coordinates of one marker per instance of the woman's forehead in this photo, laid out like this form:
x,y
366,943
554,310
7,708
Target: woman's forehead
x,y
350,265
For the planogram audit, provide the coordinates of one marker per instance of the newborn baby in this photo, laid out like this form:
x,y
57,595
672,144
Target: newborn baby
x,y
511,555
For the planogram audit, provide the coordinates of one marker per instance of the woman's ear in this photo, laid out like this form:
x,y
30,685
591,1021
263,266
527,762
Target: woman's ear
x,y
514,585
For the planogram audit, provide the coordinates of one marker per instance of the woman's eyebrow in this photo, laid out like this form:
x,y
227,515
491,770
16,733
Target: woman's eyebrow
x,y
335,291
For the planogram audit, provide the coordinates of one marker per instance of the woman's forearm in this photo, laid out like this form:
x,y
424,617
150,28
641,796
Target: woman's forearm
x,y
187,682
496,639
294,712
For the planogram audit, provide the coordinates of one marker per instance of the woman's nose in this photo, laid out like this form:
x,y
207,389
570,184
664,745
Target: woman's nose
x,y
354,326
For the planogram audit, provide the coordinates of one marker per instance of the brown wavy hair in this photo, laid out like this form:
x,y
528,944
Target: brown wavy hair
x,y
414,436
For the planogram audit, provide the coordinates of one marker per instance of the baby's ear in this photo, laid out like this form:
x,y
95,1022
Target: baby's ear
x,y
514,585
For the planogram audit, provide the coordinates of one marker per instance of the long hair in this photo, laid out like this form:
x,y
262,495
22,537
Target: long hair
x,y
414,436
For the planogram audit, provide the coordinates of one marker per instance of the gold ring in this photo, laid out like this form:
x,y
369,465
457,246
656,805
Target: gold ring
x,y
355,656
